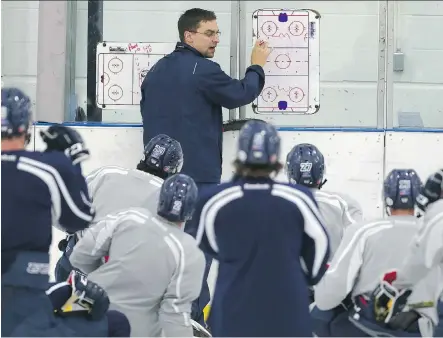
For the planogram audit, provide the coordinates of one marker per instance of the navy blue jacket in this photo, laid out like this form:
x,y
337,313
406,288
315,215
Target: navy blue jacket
x,y
183,95
39,190
270,242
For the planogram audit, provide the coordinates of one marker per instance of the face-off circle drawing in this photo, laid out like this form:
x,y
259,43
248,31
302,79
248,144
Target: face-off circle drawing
x,y
296,94
282,61
115,92
269,94
115,65
269,28
296,28
105,79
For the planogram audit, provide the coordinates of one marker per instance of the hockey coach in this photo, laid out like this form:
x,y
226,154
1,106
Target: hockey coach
x,y
183,94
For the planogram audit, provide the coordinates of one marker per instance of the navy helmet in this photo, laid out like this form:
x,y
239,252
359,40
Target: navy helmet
x,y
163,154
258,144
401,189
431,191
16,112
305,165
178,196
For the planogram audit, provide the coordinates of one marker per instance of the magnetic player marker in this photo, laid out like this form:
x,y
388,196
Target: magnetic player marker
x,y
282,105
283,17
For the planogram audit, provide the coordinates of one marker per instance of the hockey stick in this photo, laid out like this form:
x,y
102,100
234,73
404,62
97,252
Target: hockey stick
x,y
421,305
68,306
234,125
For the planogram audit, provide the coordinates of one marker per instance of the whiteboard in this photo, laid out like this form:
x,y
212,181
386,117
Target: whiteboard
x,y
292,83
121,68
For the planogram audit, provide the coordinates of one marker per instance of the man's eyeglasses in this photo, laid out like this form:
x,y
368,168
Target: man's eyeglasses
x,y
209,34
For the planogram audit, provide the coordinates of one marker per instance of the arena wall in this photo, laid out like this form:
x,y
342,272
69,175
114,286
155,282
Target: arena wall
x,y
356,161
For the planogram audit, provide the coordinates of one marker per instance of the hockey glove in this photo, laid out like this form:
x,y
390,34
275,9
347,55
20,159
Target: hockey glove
x,y
62,138
87,295
432,190
387,300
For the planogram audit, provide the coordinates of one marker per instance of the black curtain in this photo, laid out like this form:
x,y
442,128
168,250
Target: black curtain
x,y
95,35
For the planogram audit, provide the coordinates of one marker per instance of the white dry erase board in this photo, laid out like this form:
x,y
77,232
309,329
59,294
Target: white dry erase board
x,y
292,84
121,68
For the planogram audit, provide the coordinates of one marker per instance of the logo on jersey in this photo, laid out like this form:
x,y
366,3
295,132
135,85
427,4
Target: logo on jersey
x,y
305,167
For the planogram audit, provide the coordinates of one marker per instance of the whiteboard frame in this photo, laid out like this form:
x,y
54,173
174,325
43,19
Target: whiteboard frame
x,y
314,62
123,48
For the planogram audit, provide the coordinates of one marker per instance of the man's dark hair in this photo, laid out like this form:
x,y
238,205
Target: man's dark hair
x,y
190,20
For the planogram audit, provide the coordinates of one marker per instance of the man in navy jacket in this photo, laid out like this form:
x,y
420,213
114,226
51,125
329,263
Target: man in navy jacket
x,y
183,95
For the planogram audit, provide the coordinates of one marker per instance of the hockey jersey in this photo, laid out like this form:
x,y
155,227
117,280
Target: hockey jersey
x,y
367,251
115,188
39,190
339,211
270,243
155,270
426,250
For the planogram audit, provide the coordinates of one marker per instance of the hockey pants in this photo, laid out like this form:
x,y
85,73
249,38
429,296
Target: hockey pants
x,y
439,329
363,318
26,309
333,323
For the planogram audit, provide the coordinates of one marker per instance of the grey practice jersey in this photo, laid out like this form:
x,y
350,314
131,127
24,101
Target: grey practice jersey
x,y
366,253
426,251
154,271
339,211
115,188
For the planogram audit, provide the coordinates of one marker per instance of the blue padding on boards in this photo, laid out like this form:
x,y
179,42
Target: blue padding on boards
x,y
282,105
283,17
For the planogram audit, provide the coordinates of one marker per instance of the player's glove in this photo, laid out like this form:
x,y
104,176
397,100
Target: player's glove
x,y
62,138
431,191
387,300
87,295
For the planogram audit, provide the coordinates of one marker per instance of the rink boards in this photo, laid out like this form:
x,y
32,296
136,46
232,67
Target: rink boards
x,y
356,160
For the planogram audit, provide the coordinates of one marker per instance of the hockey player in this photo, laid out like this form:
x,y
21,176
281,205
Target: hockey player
x,y
269,241
424,255
39,189
366,252
114,188
162,157
305,165
155,270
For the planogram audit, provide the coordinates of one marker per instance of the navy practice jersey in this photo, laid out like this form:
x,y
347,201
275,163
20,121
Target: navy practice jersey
x,y
40,190
271,245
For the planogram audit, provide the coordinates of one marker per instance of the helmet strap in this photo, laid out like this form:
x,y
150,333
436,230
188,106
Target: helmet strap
x,y
27,139
322,184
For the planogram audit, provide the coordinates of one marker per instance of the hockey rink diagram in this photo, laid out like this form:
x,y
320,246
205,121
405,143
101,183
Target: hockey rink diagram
x,y
121,69
292,70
